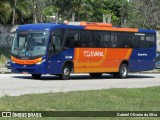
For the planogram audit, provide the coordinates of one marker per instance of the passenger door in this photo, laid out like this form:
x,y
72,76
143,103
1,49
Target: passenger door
x,y
54,52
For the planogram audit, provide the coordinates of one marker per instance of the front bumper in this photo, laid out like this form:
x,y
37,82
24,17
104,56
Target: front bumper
x,y
30,69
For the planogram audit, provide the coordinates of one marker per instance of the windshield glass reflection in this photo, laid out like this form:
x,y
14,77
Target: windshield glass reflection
x,y
30,44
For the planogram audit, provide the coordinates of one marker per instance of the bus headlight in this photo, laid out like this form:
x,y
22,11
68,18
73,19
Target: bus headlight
x,y
13,62
41,62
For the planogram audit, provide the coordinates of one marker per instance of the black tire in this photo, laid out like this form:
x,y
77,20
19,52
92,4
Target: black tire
x,y
95,75
66,71
36,76
123,72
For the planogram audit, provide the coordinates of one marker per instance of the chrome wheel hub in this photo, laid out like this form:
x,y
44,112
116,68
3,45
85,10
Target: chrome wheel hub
x,y
124,71
66,71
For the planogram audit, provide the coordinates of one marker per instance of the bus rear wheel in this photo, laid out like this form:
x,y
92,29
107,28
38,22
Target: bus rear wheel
x,y
95,75
66,71
123,71
36,76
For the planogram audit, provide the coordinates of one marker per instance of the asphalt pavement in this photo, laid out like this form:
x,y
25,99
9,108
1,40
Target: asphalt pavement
x,y
17,84
8,71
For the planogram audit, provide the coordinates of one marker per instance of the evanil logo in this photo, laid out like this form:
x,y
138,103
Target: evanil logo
x,y
93,53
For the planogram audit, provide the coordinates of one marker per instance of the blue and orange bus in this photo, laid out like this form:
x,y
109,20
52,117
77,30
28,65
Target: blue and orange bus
x,y
82,47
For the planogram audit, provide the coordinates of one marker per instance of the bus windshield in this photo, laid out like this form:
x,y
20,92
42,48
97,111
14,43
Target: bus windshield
x,y
29,44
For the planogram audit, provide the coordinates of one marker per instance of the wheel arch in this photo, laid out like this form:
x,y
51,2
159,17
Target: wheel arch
x,y
124,62
70,63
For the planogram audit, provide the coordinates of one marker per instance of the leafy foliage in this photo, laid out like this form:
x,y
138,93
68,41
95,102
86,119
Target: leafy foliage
x,y
126,13
14,9
144,14
5,12
81,10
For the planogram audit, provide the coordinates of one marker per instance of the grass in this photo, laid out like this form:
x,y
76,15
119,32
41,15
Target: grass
x,y
4,54
142,99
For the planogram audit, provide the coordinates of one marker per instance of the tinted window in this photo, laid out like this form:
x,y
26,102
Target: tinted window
x,y
85,38
120,39
117,39
149,40
101,39
95,38
113,40
107,39
129,41
72,38
139,40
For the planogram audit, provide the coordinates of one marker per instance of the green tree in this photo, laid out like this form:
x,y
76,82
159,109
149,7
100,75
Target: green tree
x,y
5,12
17,9
85,10
38,8
106,8
71,10
144,14
54,8
20,9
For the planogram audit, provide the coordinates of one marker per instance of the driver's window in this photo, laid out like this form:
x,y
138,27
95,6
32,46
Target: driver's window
x,y
57,42
51,44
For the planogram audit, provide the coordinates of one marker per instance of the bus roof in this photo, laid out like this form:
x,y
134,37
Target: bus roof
x,y
80,25
47,26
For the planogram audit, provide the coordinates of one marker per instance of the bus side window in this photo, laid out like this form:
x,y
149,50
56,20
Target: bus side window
x,y
113,40
99,41
102,39
129,41
77,42
94,39
120,39
107,40
149,40
139,40
69,41
72,39
86,38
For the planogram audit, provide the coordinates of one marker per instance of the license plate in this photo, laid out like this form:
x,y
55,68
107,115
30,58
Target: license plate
x,y
24,72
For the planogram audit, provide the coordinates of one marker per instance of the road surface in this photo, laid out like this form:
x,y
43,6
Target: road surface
x,y
5,70
17,84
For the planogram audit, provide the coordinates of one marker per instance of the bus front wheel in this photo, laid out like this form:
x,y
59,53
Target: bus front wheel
x,y
36,76
66,71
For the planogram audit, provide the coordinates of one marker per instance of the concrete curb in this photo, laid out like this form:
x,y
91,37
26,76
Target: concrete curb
x,y
1,65
5,71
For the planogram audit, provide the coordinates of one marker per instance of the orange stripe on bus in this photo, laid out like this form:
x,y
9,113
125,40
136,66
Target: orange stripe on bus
x,y
111,29
95,70
128,54
94,62
26,62
88,59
